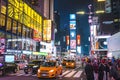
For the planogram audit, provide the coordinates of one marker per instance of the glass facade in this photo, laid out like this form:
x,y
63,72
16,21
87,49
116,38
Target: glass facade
x,y
18,21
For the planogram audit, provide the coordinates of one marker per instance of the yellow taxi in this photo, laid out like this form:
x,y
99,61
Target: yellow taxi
x,y
64,62
49,70
70,63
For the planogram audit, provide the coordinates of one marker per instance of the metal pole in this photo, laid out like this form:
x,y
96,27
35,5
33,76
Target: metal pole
x,y
6,26
90,23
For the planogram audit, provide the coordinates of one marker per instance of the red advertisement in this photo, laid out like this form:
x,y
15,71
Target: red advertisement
x,y
67,40
78,39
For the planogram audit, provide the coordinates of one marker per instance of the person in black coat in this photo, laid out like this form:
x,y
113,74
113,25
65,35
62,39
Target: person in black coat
x,y
113,71
89,71
101,70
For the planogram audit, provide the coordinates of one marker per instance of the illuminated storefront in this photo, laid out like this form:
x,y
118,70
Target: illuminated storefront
x,y
18,23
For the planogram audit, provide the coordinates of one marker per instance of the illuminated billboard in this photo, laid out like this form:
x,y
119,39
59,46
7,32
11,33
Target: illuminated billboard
x,y
67,40
20,11
47,30
72,24
78,39
108,8
37,36
73,44
73,34
72,17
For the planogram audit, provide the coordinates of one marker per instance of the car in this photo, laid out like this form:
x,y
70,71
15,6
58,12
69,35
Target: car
x,y
21,64
32,66
64,62
7,68
49,69
70,64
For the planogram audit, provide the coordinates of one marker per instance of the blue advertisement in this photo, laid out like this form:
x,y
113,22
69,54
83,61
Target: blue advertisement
x,y
72,34
72,16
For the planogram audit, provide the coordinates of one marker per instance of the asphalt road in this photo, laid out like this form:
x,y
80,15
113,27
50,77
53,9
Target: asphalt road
x,y
68,74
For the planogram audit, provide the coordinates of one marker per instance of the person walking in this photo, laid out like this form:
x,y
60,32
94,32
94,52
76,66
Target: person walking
x,y
89,70
101,70
95,67
114,72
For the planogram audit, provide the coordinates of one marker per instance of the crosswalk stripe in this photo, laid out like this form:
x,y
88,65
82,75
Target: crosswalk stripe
x,y
34,75
70,74
65,73
78,74
27,75
19,74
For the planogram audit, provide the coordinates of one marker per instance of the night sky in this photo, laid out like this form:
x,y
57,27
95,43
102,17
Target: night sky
x,y
66,7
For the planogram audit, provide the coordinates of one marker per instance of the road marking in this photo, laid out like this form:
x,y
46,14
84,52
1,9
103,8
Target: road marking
x,y
27,75
70,74
19,74
65,73
78,74
34,75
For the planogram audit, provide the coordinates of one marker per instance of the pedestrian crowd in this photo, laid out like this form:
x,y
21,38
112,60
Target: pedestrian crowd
x,y
102,69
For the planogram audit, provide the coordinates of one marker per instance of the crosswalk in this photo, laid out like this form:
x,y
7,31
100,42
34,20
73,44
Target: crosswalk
x,y
66,73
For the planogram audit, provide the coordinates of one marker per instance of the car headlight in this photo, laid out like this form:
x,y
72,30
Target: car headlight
x,y
35,66
51,71
72,63
38,71
66,63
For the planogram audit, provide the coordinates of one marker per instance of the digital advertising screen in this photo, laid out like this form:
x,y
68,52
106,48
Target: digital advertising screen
x,y
102,43
72,24
72,34
72,16
9,58
73,44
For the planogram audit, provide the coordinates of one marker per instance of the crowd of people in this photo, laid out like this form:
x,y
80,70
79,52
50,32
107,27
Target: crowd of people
x,y
102,69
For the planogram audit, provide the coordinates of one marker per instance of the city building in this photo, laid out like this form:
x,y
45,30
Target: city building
x,y
107,24
23,26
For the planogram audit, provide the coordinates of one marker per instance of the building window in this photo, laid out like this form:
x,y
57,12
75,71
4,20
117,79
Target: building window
x,y
8,28
24,31
2,21
14,27
19,29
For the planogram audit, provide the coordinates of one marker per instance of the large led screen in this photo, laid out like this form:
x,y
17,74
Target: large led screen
x,y
73,34
72,24
9,58
47,30
73,44
72,17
